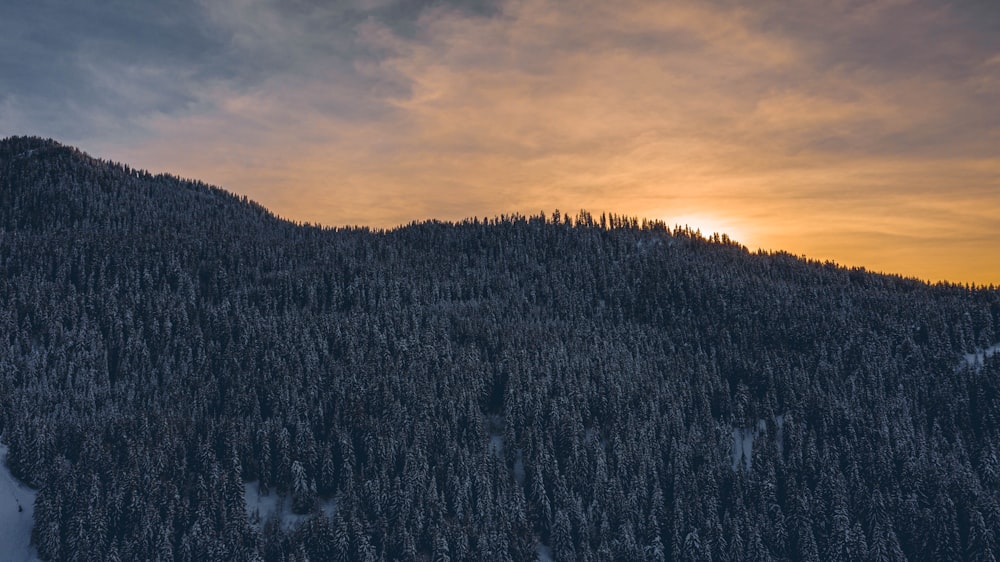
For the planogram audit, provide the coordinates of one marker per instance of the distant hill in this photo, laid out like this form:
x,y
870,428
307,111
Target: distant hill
x,y
185,376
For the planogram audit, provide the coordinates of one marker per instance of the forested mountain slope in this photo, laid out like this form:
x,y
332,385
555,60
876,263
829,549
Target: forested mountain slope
x,y
593,389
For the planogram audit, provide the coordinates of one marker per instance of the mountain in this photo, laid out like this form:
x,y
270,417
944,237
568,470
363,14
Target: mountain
x,y
185,376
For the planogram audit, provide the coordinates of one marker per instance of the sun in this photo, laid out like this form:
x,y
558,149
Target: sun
x,y
709,224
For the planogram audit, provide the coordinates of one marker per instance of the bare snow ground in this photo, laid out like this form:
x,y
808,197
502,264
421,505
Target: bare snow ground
x,y
975,360
262,509
544,552
17,506
496,445
743,438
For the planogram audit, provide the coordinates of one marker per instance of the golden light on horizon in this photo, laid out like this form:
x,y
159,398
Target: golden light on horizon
x,y
708,224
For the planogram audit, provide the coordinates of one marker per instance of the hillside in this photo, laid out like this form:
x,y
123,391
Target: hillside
x,y
506,389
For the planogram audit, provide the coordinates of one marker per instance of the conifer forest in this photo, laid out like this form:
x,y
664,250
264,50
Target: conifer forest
x,y
186,376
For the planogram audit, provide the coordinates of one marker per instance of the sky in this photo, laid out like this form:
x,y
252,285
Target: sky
x,y
862,132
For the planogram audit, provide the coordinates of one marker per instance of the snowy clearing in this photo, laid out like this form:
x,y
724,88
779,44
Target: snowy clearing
x,y
544,552
519,469
743,438
17,505
494,427
975,360
262,509
496,445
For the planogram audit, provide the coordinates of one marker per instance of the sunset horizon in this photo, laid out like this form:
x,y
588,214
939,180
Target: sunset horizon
x,y
863,133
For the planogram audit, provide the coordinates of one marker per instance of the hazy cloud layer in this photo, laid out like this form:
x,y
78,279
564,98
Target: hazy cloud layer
x,y
861,131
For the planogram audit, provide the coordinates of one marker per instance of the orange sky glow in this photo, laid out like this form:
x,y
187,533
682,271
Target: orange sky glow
x,y
862,132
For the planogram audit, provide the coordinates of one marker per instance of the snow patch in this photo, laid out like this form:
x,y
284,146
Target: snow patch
x,y
329,508
544,552
743,438
494,429
17,508
976,360
262,509
496,445
743,447
519,469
